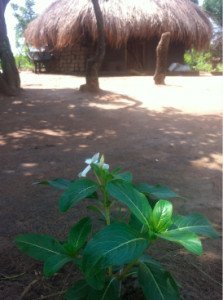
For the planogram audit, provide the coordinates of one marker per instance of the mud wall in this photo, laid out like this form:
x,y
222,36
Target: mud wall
x,y
70,59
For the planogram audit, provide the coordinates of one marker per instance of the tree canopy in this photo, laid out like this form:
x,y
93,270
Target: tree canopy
x,y
214,9
24,15
195,1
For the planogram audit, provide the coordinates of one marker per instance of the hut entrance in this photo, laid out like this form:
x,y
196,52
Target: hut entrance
x,y
114,60
136,55
141,55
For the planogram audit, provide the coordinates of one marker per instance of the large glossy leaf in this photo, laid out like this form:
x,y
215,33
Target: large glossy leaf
x,y
195,223
156,282
187,239
76,191
58,183
79,233
40,247
110,291
155,265
126,176
158,190
161,216
137,202
54,263
116,244
78,291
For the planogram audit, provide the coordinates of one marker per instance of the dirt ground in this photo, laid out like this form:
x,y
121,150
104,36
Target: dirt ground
x,y
169,135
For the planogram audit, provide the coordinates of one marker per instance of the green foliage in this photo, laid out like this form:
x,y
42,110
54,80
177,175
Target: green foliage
x,y
23,62
116,251
200,61
195,1
160,219
214,9
155,281
24,15
76,191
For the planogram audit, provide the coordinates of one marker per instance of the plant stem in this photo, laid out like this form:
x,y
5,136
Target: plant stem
x,y
11,277
128,267
99,181
107,215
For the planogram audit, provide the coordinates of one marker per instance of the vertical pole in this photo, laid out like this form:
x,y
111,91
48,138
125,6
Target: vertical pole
x,y
161,58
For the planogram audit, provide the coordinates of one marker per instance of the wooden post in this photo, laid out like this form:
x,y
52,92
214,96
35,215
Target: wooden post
x,y
161,58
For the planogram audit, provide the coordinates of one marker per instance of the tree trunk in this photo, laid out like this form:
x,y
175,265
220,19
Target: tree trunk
x,y
93,64
9,79
161,58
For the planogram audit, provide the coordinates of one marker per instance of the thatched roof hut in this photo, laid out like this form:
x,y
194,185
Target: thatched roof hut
x,y
68,22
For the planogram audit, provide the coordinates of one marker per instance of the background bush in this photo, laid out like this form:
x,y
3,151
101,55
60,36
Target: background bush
x,y
23,62
200,61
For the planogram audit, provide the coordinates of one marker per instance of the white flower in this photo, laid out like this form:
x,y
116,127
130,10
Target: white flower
x,y
93,160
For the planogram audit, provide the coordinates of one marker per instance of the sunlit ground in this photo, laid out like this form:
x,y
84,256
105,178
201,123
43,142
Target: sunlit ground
x,y
196,95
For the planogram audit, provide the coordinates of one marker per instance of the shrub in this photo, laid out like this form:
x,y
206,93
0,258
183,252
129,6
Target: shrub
x,y
200,61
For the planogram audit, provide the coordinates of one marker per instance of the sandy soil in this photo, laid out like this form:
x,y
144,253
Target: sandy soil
x,y
163,134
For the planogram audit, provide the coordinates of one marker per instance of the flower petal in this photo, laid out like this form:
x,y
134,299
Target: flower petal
x,y
105,167
88,161
95,158
85,171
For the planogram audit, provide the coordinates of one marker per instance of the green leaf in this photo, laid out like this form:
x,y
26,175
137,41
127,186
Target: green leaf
x,y
58,183
154,264
116,171
39,247
161,216
76,191
156,282
187,239
126,176
152,200
137,202
115,244
158,190
195,223
79,233
78,291
110,291
136,224
102,173
96,209
97,282
54,263
93,196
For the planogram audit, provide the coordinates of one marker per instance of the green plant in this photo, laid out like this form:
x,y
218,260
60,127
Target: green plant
x,y
198,61
118,250
219,68
23,62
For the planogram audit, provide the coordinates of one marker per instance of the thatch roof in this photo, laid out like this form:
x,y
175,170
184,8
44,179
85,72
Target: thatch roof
x,y
65,22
